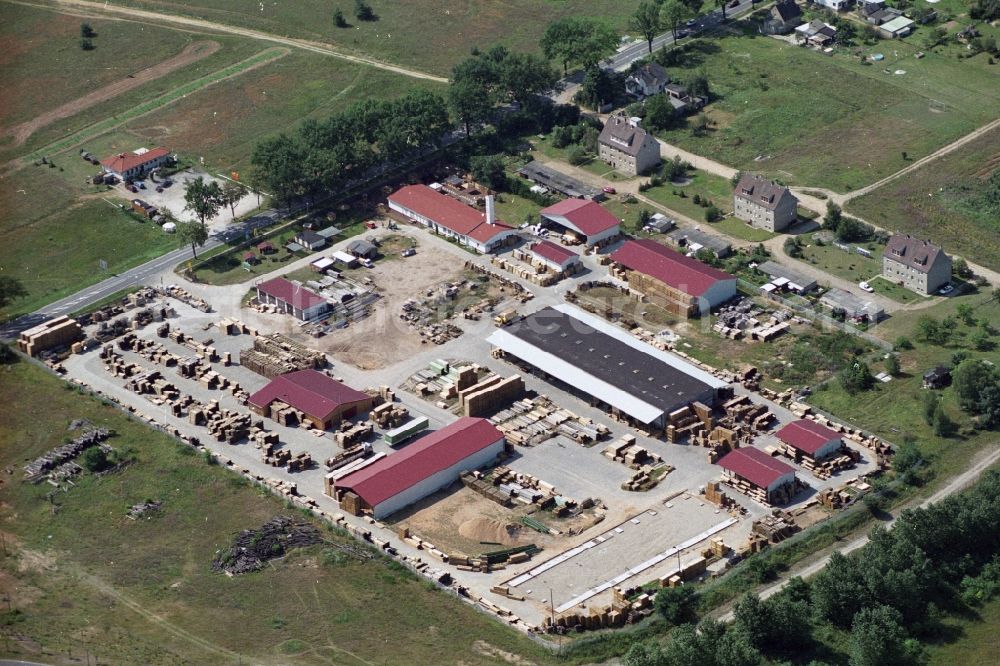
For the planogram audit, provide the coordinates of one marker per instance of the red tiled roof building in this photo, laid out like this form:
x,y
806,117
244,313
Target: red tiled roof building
x,y
758,469
291,298
135,164
429,464
587,219
449,217
811,439
323,401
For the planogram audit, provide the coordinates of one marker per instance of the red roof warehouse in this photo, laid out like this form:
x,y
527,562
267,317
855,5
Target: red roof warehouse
x,y
424,467
760,469
677,271
291,298
448,216
322,400
587,218
811,438
555,256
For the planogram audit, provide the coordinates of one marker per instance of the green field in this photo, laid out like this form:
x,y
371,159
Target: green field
x,y
54,246
940,202
142,592
681,197
894,291
829,121
847,265
894,410
976,641
737,228
404,30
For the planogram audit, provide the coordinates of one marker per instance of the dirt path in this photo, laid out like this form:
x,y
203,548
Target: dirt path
x,y
957,484
192,53
315,47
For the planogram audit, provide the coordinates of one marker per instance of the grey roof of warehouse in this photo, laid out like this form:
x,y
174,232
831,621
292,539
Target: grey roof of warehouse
x,y
776,270
601,360
560,182
720,246
850,302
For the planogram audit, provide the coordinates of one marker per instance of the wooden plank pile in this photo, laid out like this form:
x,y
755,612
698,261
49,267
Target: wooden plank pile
x,y
389,415
537,274
184,296
351,434
275,354
61,454
776,527
627,452
531,421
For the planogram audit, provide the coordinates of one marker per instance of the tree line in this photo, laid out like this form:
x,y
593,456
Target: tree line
x,y
879,605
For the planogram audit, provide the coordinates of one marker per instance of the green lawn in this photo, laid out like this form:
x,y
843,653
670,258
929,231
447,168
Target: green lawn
x,y
847,265
405,30
813,119
681,197
894,291
514,210
739,229
326,606
940,201
976,643
57,254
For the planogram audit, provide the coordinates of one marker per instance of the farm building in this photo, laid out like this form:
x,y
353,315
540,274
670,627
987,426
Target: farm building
x,y
790,278
429,464
606,365
811,439
555,257
322,400
310,240
362,249
627,147
451,218
852,306
769,479
900,26
138,163
547,178
587,220
915,264
679,284
291,298
763,203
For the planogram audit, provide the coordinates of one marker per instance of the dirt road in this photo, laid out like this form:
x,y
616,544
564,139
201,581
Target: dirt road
x,y
192,53
316,47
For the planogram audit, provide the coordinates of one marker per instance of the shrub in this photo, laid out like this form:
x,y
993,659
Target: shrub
x,y
713,214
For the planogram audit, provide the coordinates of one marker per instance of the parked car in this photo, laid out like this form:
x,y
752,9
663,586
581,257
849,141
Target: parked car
x,y
408,252
159,188
141,185
947,289
610,190
691,23
866,287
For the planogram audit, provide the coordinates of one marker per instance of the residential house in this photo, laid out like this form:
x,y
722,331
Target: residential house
x,y
647,80
782,18
138,163
627,147
310,240
937,378
835,5
915,264
884,15
816,33
682,102
764,204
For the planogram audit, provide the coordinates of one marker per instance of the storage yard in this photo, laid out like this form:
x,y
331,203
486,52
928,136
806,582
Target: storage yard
x,y
587,497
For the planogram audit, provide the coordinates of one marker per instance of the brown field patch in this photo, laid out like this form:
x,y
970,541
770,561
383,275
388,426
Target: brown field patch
x,y
191,54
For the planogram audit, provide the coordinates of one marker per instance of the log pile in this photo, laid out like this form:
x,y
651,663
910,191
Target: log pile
x,y
251,549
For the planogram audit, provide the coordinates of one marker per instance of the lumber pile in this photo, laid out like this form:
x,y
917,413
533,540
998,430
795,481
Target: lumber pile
x,y
630,454
529,422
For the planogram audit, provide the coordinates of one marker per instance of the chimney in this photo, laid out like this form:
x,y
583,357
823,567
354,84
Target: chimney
x,y
490,210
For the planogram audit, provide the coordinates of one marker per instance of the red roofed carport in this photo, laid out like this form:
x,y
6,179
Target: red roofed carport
x,y
583,217
758,469
429,464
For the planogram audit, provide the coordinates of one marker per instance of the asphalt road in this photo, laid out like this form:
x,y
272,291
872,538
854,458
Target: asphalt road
x,y
640,49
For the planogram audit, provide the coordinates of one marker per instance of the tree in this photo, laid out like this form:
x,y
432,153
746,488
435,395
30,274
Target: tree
x,y
676,604
646,21
697,84
277,163
712,213
647,653
852,229
970,379
339,20
489,170
831,220
577,155
793,247
981,340
838,592
660,114
856,377
194,234
721,4
930,405
204,199
930,330
577,39
878,638
672,14
469,103
892,364
86,31
700,124
902,343
937,35
942,424
907,461
95,459
364,11
87,44
694,6
232,194
523,75
11,289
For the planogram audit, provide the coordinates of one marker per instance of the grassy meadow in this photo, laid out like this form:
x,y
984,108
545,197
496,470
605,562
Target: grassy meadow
x,y
827,120
940,202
